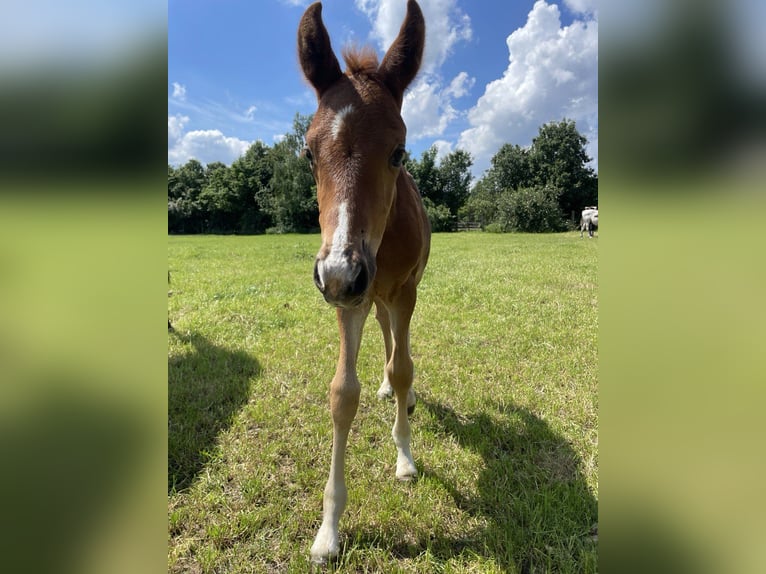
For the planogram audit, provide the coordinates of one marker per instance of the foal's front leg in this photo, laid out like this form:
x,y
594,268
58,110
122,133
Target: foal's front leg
x,y
344,400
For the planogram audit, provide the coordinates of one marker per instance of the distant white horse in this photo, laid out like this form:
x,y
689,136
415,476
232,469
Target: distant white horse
x,y
589,220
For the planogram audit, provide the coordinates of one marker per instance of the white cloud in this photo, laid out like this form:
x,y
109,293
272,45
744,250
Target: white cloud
x,y
204,145
179,91
446,26
443,148
176,126
460,85
427,109
428,105
581,6
552,74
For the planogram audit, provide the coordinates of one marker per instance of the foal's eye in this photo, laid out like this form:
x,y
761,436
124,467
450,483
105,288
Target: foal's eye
x,y
308,155
397,158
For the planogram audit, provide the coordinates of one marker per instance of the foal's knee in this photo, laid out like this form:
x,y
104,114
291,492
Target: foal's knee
x,y
344,401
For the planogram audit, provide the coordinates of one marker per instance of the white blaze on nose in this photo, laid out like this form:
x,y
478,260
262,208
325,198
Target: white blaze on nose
x,y
340,239
336,271
337,121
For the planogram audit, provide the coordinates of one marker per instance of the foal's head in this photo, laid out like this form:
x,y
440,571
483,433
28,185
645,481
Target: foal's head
x,y
356,148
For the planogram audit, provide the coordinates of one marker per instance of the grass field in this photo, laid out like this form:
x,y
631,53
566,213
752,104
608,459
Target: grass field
x,y
505,434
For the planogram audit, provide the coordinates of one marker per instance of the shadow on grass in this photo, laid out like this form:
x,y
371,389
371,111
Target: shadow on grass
x,y
70,456
206,388
530,494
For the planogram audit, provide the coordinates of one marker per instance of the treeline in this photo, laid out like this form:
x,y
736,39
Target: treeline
x,y
267,189
536,189
271,189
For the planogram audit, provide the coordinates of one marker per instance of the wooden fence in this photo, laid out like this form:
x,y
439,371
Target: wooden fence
x,y
468,226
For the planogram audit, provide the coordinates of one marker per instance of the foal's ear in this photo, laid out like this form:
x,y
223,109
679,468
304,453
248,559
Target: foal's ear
x,y
319,64
402,61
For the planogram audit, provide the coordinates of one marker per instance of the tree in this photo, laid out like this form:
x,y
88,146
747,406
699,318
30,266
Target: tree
x,y
290,196
518,189
185,184
426,175
174,183
559,161
439,216
481,205
511,169
530,210
218,200
455,180
273,188
251,173
445,186
301,125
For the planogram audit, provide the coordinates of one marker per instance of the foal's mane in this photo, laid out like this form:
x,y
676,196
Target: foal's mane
x,y
360,60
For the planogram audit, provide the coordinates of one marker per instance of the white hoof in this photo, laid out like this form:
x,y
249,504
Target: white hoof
x,y
407,474
405,468
326,546
385,391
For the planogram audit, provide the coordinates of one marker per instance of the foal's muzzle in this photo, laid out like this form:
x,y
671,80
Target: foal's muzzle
x,y
344,281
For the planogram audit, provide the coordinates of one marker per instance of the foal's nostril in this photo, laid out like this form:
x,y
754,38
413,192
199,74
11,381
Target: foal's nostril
x,y
359,285
317,279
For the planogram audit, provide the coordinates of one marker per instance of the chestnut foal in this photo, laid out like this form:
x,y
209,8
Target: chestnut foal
x,y
375,232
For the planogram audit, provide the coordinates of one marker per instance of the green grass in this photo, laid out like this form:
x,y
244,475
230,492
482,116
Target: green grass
x,y
505,439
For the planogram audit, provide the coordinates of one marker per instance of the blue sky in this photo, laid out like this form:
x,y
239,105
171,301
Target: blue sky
x,y
493,72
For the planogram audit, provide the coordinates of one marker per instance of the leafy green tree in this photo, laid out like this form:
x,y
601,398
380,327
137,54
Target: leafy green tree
x,y
301,125
174,193
530,210
250,174
426,175
438,215
174,187
522,180
455,180
290,196
445,185
272,187
559,161
185,184
192,177
481,205
511,168
218,200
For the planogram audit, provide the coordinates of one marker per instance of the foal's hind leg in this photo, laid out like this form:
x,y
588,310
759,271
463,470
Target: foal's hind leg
x,y
399,371
385,391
